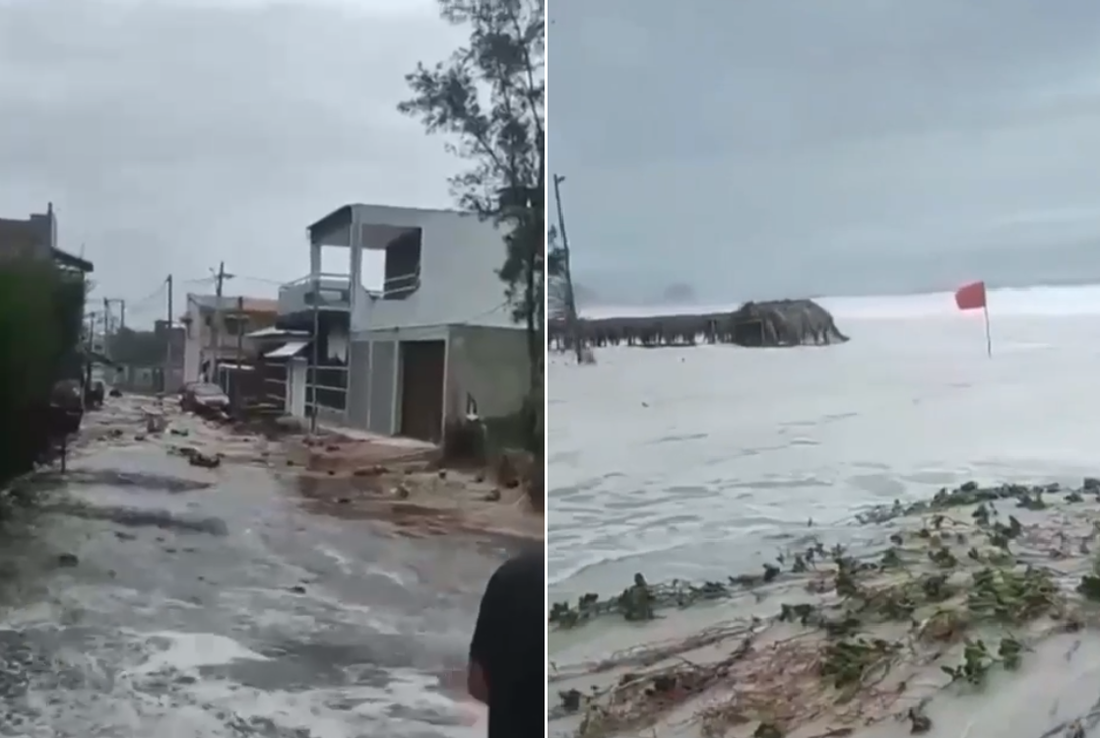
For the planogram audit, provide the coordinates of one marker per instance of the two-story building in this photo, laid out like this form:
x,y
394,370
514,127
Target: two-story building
x,y
215,331
423,335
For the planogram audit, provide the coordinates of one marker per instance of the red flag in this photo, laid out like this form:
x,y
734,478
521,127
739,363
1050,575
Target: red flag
x,y
971,296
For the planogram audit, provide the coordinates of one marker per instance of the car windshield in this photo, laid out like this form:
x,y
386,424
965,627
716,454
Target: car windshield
x,y
206,389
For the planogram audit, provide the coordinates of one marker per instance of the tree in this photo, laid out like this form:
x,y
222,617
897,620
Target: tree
x,y
40,323
489,98
139,348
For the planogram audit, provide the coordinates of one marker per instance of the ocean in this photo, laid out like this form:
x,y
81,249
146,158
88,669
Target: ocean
x,y
703,462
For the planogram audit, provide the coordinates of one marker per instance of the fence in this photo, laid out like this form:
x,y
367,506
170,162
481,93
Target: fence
x,y
331,386
273,380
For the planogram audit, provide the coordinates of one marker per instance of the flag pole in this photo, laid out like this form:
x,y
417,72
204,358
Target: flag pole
x,y
988,335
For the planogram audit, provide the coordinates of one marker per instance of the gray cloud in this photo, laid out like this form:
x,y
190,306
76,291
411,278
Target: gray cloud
x,y
172,135
757,149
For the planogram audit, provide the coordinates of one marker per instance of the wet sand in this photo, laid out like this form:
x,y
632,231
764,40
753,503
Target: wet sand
x,y
146,596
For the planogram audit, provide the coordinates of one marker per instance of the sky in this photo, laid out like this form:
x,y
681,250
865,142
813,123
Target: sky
x,y
788,149
173,135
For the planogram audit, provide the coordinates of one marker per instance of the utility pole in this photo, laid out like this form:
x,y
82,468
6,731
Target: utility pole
x,y
87,369
240,337
315,359
570,302
106,327
216,323
168,344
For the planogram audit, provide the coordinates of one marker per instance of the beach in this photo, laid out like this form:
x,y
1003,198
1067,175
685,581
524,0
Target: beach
x,y
701,463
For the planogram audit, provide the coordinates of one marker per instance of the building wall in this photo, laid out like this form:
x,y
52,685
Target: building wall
x,y
490,365
198,341
459,258
143,379
192,344
34,237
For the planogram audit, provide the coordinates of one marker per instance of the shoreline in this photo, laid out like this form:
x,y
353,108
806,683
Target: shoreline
x,y
743,663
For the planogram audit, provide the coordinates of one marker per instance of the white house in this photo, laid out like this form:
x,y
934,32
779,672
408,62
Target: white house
x,y
431,334
214,336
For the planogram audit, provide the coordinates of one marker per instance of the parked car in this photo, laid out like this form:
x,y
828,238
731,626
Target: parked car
x,y
203,398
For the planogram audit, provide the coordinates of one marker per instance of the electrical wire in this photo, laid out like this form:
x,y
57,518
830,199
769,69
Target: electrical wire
x,y
264,280
136,304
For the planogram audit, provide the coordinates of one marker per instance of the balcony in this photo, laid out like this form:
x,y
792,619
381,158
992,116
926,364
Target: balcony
x,y
298,296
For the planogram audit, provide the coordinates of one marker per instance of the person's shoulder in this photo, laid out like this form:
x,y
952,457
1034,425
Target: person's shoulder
x,y
526,564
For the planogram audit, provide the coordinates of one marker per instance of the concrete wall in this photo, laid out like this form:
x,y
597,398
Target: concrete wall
x,y
192,343
359,367
383,386
458,282
294,297
137,378
491,365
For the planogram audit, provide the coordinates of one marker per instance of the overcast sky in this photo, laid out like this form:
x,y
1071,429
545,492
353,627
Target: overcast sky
x,y
784,148
172,135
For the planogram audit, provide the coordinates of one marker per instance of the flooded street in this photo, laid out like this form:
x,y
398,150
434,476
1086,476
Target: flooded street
x,y
207,602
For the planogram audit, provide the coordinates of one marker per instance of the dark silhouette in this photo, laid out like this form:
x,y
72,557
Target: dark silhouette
x,y
758,324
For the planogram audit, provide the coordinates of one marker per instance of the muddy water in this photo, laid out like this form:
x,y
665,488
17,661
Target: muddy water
x,y
208,603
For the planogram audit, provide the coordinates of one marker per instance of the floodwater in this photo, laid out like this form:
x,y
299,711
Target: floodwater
x,y
221,608
704,462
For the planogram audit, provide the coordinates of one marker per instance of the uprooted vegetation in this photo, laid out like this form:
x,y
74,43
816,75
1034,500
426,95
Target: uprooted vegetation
x,y
968,583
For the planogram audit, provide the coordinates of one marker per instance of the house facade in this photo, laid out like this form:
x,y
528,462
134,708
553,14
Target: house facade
x,y
216,331
424,339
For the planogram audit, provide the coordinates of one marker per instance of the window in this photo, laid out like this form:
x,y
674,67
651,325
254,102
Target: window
x,y
235,326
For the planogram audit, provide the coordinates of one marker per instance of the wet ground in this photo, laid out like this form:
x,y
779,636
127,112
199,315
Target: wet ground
x,y
148,597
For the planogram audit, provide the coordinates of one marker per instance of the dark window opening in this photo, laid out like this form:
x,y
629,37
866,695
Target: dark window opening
x,y
235,326
402,271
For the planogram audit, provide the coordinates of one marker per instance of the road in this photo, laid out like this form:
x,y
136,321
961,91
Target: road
x,y
143,596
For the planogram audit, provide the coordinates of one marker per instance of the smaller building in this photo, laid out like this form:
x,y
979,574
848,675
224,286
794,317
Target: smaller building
x,y
145,361
215,331
35,237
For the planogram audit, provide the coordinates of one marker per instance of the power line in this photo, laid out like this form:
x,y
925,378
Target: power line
x,y
147,298
265,280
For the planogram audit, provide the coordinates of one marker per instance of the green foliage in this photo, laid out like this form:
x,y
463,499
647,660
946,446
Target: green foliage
x,y
41,312
139,348
503,137
489,98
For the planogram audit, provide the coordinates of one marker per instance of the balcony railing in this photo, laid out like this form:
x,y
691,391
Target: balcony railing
x,y
335,291
400,287
323,277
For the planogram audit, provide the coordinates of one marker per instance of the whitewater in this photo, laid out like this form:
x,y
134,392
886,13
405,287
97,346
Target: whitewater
x,y
702,462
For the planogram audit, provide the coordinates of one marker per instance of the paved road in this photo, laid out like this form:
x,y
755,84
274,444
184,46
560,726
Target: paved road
x,y
208,603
